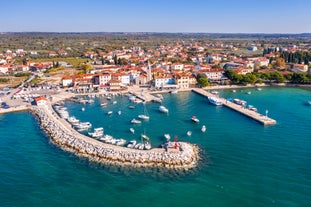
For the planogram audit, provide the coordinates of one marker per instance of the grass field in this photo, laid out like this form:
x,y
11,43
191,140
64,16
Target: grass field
x,y
75,62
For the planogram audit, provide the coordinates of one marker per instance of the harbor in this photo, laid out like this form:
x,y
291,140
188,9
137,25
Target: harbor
x,y
263,119
179,155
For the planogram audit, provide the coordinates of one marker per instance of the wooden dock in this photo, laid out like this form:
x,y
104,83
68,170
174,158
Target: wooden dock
x,y
251,114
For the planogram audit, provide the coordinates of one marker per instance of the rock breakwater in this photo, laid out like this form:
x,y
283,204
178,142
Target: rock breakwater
x,y
185,156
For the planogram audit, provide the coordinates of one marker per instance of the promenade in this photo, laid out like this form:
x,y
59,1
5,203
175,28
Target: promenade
x,y
251,114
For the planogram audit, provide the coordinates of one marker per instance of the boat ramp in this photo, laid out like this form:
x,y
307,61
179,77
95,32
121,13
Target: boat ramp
x,y
265,120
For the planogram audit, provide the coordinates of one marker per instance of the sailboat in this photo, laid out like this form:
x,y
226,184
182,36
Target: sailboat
x,y
145,115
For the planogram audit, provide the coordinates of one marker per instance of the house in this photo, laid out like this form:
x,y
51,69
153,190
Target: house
x,y
104,78
141,79
214,75
162,80
67,81
177,66
115,85
182,80
40,101
299,68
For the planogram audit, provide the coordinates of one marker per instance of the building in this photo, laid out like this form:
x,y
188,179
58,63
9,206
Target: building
x,y
40,101
162,80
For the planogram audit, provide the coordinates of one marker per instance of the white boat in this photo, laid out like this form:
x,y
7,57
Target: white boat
x,y
98,132
259,89
252,108
83,126
167,137
145,115
163,109
107,138
103,104
189,133
248,92
135,121
203,129
83,109
195,119
233,91
174,91
120,142
147,146
309,103
145,137
114,102
214,92
109,112
73,120
119,112
214,100
131,144
132,130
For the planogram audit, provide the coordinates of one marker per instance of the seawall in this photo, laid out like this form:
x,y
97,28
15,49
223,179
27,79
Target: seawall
x,y
185,156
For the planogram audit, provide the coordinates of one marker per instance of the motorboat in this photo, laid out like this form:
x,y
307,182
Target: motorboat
x,y
163,109
309,103
114,102
195,119
214,92
132,130
174,92
120,142
109,112
104,104
119,112
203,129
147,146
143,116
189,133
145,137
135,121
73,120
214,100
252,108
239,102
131,107
83,126
167,137
131,144
98,132
82,109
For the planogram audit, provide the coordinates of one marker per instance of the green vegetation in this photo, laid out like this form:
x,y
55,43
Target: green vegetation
x,y
202,80
4,80
75,62
23,74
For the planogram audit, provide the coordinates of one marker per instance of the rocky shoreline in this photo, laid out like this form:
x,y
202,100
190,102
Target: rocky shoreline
x,y
186,156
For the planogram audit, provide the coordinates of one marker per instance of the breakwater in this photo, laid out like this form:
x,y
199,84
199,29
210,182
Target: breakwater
x,y
184,156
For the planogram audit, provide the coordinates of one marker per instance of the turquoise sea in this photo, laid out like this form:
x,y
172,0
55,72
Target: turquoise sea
x,y
244,163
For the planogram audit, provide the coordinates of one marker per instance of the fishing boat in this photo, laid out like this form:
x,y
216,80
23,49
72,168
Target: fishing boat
x,y
189,133
132,130
163,109
203,129
195,119
214,100
167,137
135,121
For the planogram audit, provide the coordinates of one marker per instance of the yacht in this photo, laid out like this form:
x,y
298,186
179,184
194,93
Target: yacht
x,y
143,116
214,100
163,109
195,119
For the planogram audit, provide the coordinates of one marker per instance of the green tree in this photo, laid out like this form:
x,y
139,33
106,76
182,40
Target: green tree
x,y
86,68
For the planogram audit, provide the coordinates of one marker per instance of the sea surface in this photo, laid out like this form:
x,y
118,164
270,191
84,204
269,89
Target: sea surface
x,y
244,163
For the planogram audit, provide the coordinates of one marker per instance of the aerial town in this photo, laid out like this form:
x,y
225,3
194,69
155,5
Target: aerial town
x,y
179,64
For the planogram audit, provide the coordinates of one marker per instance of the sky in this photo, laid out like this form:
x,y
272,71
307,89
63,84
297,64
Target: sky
x,y
190,16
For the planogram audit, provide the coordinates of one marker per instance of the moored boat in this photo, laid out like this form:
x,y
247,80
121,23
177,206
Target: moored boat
x,y
144,117
214,100
103,104
135,121
163,109
189,133
167,137
132,130
195,119
98,132
203,129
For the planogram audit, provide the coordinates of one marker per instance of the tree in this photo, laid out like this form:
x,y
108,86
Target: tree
x,y
86,68
280,62
203,82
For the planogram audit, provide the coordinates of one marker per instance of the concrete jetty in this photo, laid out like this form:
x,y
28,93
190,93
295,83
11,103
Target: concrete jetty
x,y
143,94
251,114
183,157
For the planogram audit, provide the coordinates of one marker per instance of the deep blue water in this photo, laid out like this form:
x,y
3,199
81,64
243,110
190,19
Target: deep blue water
x,y
245,163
